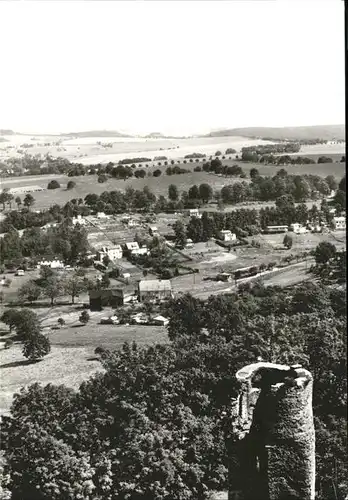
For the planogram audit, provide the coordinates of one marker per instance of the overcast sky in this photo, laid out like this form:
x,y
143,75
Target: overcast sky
x,y
177,67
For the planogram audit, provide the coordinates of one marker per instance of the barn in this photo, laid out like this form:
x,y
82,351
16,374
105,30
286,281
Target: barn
x,y
154,290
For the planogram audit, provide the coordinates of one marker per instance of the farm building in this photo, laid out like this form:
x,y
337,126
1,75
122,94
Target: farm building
x,y
133,248
110,320
49,225
25,189
79,220
226,235
113,253
154,289
245,272
194,212
101,215
140,318
276,229
113,297
153,231
339,222
160,321
297,228
189,243
52,263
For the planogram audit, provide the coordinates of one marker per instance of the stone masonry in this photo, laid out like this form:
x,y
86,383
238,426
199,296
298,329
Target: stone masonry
x,y
273,457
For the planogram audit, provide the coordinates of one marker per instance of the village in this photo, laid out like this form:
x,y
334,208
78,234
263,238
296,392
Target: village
x,y
132,292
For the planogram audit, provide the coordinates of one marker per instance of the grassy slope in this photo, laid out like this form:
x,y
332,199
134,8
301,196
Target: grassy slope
x,y
327,132
159,185
72,358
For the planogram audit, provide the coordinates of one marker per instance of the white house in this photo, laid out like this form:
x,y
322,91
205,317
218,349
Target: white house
x,y
113,253
110,320
189,243
131,246
79,220
276,229
49,225
134,249
226,235
53,264
153,230
160,321
194,212
132,223
101,215
339,222
297,228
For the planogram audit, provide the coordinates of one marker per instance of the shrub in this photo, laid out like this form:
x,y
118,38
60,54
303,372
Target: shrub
x,y
102,178
36,347
287,241
53,184
8,343
84,317
71,185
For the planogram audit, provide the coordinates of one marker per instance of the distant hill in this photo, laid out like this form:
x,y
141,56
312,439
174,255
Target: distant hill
x,y
96,133
6,132
154,135
325,132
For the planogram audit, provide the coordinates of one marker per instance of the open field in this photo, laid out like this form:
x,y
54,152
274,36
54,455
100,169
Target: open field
x,y
62,366
72,358
86,150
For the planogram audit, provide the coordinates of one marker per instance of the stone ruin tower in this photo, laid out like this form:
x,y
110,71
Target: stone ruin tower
x,y
272,453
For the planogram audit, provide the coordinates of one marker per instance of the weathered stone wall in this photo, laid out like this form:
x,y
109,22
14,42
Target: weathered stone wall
x,y
275,456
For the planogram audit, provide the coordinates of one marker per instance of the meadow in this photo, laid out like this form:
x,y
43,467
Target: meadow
x,y
87,150
72,359
158,185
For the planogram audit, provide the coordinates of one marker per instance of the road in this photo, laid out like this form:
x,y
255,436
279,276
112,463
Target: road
x,y
290,275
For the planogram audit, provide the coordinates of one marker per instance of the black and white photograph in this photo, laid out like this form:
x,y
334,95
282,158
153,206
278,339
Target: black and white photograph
x,y
173,304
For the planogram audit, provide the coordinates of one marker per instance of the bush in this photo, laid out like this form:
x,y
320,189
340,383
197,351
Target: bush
x,y
53,184
167,274
71,185
8,343
287,241
84,317
36,347
157,173
197,169
102,178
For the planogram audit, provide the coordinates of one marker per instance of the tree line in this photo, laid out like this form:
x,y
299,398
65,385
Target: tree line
x,y
66,240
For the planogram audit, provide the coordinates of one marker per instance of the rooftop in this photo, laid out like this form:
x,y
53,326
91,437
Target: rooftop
x,y
154,285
